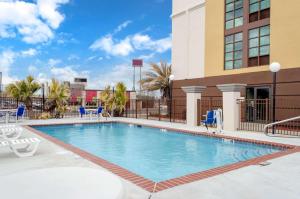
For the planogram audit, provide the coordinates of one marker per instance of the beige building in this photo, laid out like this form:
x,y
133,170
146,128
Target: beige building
x,y
234,41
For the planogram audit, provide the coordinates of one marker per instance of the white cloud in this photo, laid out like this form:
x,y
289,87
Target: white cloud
x,y
122,26
116,74
32,69
7,58
61,73
34,21
29,53
111,47
130,44
146,57
67,73
48,11
5,32
64,38
145,42
73,57
53,62
91,58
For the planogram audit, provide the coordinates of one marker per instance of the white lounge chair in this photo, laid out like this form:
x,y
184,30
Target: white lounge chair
x,y
10,132
22,147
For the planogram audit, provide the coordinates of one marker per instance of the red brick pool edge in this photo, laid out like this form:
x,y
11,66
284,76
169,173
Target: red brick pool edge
x,y
151,186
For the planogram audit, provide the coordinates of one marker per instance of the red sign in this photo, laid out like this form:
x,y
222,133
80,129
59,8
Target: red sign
x,y
90,95
137,63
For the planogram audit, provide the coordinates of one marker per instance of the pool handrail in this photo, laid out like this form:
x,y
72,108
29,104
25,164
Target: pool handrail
x,y
279,122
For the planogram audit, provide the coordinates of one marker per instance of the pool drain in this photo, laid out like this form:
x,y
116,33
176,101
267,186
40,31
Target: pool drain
x,y
264,163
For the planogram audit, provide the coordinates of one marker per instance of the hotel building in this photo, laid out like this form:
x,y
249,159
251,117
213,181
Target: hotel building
x,y
234,41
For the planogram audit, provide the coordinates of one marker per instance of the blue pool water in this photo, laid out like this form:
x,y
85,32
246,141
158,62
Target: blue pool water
x,y
152,153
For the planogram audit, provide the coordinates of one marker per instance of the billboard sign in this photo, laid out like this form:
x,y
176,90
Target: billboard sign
x,y
137,63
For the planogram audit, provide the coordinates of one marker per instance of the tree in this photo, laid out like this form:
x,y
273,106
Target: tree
x,y
120,97
59,95
105,97
24,90
158,79
114,101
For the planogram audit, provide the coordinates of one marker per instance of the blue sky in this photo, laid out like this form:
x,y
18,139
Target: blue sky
x,y
96,39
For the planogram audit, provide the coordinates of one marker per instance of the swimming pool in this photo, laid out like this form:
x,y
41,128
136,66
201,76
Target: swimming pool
x,y
155,154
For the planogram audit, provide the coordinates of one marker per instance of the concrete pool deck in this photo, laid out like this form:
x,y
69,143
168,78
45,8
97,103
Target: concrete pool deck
x,y
277,180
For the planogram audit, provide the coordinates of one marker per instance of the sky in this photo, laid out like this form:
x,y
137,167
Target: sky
x,y
96,39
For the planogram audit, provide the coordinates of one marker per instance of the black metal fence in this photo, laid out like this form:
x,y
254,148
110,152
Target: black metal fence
x,y
255,114
152,109
208,104
36,108
156,109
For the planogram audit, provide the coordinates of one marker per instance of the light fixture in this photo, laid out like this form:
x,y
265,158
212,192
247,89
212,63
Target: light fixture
x,y
171,77
275,67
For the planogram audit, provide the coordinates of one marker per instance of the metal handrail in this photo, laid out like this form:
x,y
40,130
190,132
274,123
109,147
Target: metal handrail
x,y
279,122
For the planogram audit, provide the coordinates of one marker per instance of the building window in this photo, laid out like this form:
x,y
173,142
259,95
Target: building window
x,y
259,9
259,46
234,13
233,51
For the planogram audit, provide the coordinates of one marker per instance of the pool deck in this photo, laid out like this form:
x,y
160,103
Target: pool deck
x,y
280,179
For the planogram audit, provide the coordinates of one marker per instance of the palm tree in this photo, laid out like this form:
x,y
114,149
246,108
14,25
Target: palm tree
x,y
24,90
106,98
120,97
59,95
158,79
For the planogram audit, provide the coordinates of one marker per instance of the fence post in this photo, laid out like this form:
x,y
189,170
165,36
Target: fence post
x,y
42,103
174,111
159,109
136,109
170,108
147,109
267,110
199,111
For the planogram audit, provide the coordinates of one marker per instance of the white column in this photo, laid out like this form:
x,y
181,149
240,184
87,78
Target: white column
x,y
132,97
83,96
193,93
231,109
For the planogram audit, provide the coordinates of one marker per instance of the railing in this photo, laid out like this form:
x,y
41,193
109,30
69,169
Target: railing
x,y
289,126
36,108
156,109
208,104
256,113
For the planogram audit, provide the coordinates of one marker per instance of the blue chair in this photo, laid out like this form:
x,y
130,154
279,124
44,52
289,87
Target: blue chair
x,y
20,113
98,112
82,111
210,119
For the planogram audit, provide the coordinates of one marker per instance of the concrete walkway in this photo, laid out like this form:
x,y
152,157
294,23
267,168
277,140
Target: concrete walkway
x,y
65,182
279,180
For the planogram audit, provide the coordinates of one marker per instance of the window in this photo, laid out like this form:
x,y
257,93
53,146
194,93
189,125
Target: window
x,y
259,46
259,9
234,13
233,51
247,33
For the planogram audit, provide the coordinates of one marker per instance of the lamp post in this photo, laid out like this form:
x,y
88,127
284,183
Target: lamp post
x,y
274,68
171,78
